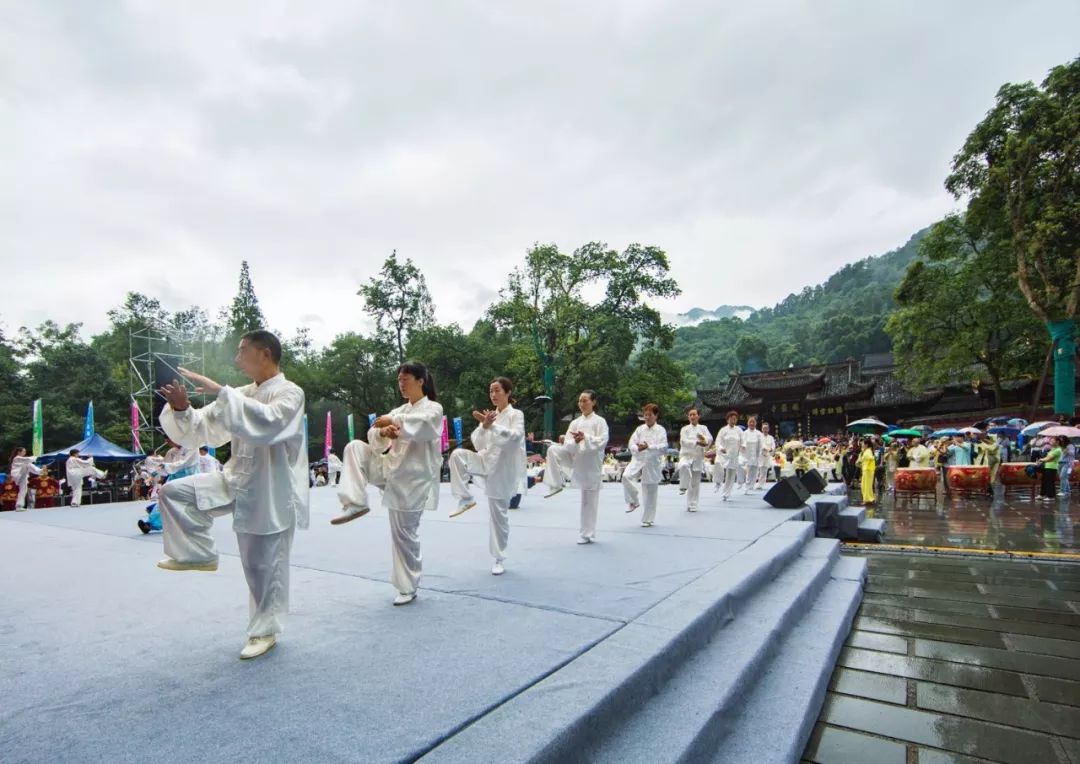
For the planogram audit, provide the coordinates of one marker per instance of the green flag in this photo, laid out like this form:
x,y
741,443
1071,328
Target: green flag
x,y
38,444
352,428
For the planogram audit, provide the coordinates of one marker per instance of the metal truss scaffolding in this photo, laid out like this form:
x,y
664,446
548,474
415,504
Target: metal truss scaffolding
x,y
156,351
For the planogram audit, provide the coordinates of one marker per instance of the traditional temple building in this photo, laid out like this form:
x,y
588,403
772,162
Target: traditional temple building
x,y
822,399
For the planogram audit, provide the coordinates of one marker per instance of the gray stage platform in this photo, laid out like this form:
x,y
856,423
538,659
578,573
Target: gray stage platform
x,y
577,652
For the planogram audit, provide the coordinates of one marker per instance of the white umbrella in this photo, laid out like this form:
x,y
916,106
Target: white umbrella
x,y
1035,427
972,431
867,425
1059,430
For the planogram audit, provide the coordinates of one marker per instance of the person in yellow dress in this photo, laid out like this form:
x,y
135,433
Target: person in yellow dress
x,y
868,465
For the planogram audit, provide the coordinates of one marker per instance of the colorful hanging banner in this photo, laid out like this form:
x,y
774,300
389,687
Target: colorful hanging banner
x,y
370,420
445,439
136,446
38,443
329,444
88,425
352,428
306,442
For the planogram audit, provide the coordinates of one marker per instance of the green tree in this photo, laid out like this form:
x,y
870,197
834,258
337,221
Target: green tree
x,y
1020,167
751,352
959,308
399,301
358,372
244,314
652,377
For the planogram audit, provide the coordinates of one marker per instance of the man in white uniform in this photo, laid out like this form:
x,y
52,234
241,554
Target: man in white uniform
x,y
768,456
753,442
648,445
694,438
78,469
208,463
333,469
729,444
498,462
22,467
580,459
264,485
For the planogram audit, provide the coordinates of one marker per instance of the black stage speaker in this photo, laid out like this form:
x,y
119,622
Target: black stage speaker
x,y
814,482
789,493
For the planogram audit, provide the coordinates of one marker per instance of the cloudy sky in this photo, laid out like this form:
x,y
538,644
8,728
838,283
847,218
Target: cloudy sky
x,y
151,145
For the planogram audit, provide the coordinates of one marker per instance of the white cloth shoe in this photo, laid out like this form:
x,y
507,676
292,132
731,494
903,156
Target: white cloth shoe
x,y
584,540
497,569
257,646
630,508
463,506
646,525
349,513
404,599
170,564
553,492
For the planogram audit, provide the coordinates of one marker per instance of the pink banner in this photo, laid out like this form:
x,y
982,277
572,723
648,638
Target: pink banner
x,y
136,446
445,435
329,438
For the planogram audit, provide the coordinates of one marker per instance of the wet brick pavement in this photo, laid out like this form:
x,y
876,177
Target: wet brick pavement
x,y
954,659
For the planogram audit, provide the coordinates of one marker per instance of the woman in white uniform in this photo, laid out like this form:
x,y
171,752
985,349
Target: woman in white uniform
x,y
580,460
753,442
768,455
498,461
22,467
648,444
694,438
78,469
729,444
402,457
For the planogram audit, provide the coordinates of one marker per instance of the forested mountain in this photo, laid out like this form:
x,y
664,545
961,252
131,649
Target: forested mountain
x,y
840,318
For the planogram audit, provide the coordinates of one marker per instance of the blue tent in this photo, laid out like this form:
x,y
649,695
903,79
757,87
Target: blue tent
x,y
95,446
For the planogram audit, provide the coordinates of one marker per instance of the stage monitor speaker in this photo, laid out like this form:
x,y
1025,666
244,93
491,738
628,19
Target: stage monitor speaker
x,y
814,482
789,493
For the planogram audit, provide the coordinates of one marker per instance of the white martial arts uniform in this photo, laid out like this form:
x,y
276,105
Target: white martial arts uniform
x,y
333,469
768,456
209,464
753,442
264,485
729,441
645,467
22,467
77,469
583,465
498,462
406,469
692,461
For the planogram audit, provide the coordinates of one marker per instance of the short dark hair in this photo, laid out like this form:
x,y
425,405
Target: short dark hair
x,y
261,338
73,452
591,394
692,408
651,408
732,413
204,448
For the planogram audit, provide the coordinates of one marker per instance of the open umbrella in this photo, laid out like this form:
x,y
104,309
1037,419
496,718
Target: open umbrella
x,y
1036,427
823,441
1008,432
971,431
868,425
1017,423
948,432
1059,430
909,432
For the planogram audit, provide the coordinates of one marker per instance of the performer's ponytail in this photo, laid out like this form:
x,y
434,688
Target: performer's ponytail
x,y
507,386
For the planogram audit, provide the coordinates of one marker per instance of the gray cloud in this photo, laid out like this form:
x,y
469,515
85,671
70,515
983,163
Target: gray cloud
x,y
153,146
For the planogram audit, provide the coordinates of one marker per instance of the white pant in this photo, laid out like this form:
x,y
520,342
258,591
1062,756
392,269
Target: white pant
x,y
24,487
405,549
590,507
265,557
729,481
690,481
753,476
647,493
77,486
362,466
462,464
559,467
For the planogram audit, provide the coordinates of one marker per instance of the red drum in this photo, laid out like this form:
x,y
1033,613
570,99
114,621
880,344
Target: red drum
x,y
975,478
916,479
1012,475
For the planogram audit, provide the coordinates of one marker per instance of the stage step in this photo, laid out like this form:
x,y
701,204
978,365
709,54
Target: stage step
x,y
837,489
774,721
827,510
872,530
689,715
850,517
588,701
